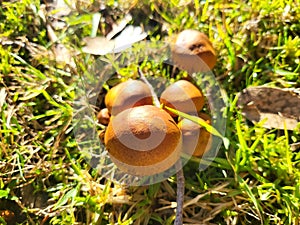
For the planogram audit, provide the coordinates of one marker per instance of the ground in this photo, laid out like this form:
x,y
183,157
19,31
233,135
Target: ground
x,y
45,179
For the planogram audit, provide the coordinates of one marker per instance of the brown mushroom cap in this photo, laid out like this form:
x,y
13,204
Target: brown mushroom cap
x,y
143,140
183,96
196,140
103,116
128,94
190,43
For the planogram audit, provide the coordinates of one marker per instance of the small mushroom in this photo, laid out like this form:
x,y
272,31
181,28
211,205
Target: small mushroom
x,y
103,116
193,51
196,140
128,94
183,96
143,140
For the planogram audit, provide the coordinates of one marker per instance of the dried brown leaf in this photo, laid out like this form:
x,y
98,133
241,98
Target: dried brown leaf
x,y
274,107
103,46
98,45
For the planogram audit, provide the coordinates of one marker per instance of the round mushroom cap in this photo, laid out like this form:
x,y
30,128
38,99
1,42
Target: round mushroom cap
x,y
143,140
189,44
196,140
183,96
103,116
128,94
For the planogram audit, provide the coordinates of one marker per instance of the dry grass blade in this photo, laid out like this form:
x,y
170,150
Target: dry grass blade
x,y
198,197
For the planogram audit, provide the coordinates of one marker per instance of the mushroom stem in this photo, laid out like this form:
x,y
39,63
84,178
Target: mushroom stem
x,y
154,95
180,194
179,174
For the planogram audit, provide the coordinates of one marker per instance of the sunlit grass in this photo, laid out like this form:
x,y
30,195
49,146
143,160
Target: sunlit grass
x,y
255,181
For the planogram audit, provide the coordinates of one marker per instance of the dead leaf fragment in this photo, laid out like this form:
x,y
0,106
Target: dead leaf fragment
x,y
274,107
118,27
98,45
103,46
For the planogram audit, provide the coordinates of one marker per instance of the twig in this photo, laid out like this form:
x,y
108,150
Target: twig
x,y
180,175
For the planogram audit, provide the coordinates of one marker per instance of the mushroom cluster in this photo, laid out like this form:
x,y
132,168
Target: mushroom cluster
x,y
143,139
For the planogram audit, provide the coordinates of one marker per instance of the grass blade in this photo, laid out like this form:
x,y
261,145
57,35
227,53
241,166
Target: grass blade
x,y
200,122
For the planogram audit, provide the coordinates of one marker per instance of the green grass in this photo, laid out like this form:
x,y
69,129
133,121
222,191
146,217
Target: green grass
x,y
255,181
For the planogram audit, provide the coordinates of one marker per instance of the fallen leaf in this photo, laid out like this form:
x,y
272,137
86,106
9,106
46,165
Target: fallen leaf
x,y
129,36
274,107
103,46
98,45
118,27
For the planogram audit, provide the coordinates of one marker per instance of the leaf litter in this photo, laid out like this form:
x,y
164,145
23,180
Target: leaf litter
x,y
273,107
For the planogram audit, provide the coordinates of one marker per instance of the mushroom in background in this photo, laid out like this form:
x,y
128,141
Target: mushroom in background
x,y
192,51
